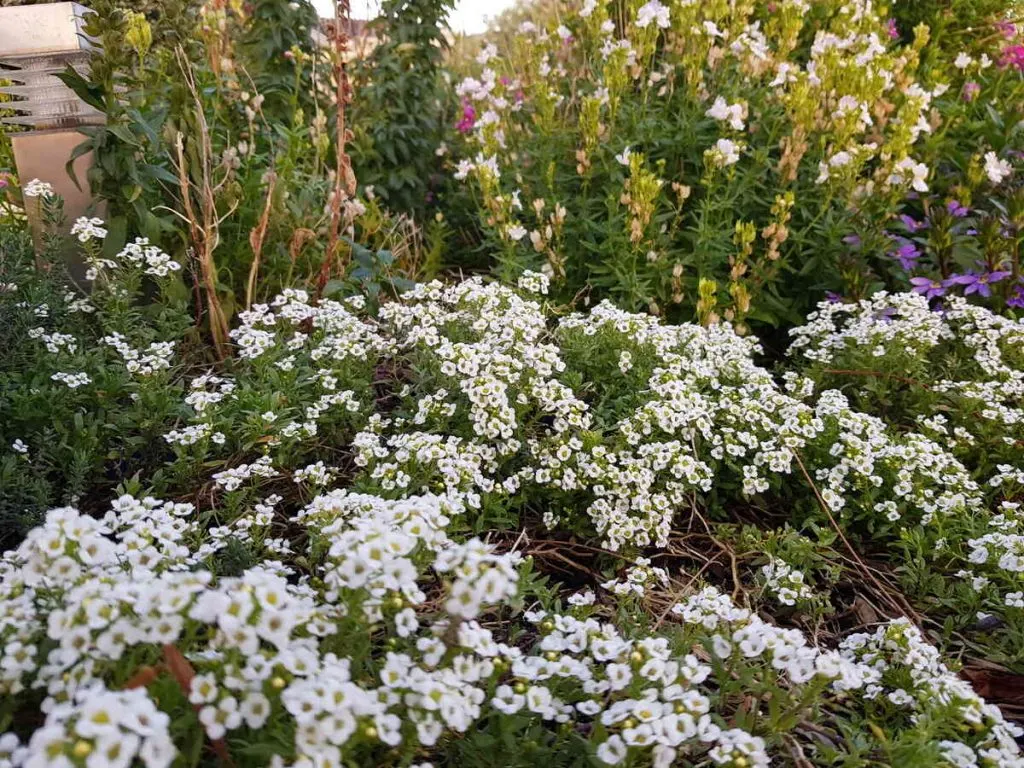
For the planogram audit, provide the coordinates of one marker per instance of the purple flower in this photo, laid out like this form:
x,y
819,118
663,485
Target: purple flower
x,y
970,91
907,254
1017,300
894,31
979,283
833,297
930,288
853,240
912,224
956,210
1007,28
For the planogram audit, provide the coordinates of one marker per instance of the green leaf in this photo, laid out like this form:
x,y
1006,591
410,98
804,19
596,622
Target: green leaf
x,y
88,92
117,236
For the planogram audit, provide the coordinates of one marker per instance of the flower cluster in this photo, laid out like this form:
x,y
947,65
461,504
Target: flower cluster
x,y
849,103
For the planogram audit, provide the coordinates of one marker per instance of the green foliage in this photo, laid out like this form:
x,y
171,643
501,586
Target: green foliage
x,y
402,105
694,169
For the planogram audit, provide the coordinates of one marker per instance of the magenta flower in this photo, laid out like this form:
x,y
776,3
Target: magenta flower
x,y
465,125
1013,56
894,31
970,91
931,289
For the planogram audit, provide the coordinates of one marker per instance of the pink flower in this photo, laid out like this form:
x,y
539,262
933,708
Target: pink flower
x,y
970,91
894,31
1013,56
465,125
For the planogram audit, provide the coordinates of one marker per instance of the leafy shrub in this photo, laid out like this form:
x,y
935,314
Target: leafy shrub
x,y
87,381
401,108
716,161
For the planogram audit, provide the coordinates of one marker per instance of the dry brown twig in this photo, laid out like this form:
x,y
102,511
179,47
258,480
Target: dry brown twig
x,y
256,238
876,375
344,178
204,224
899,604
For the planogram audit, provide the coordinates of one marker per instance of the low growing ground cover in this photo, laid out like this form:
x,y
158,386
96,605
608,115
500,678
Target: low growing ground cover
x,y
471,518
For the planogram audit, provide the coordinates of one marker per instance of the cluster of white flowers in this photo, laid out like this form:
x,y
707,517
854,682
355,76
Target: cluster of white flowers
x,y
902,331
231,479
86,229
785,583
534,282
192,434
158,263
72,380
490,419
37,188
1000,554
637,578
102,728
317,474
156,357
55,342
901,667
80,593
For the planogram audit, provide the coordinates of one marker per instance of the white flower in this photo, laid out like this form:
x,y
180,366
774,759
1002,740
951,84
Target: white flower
x,y
612,751
72,380
726,152
734,114
85,229
963,61
652,11
997,170
918,174
37,188
623,157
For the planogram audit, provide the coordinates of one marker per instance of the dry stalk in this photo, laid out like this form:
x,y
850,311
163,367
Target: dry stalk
x,y
203,225
256,238
344,178
875,374
899,603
